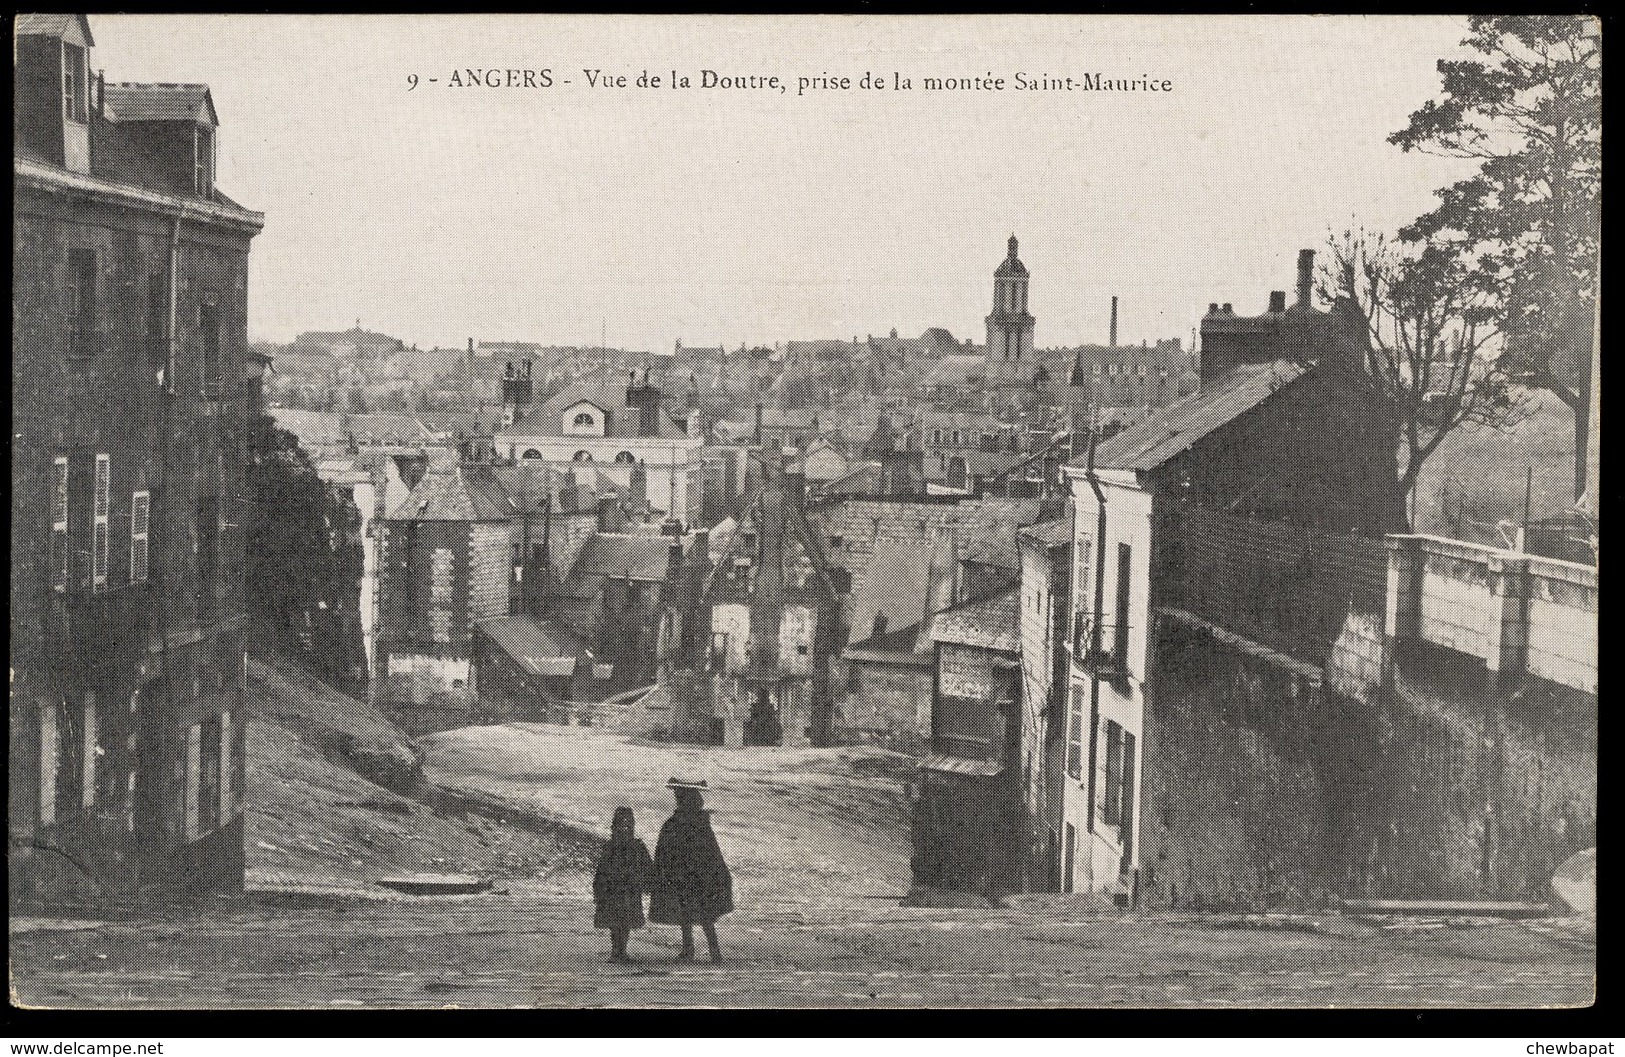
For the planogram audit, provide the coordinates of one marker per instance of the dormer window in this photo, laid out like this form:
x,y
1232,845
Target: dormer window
x,y
74,89
584,420
203,161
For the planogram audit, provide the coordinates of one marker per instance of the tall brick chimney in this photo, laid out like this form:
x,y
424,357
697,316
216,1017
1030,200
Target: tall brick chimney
x,y
1114,322
1306,276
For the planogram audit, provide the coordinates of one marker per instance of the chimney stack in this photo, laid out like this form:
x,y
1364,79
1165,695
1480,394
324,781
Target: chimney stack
x,y
1306,276
1114,321
1228,310
1277,300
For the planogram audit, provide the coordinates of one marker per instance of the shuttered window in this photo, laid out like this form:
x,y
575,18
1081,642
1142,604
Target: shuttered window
x,y
140,527
59,525
98,542
1074,737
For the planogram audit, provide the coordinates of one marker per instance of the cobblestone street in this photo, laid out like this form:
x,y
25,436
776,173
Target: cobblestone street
x,y
539,949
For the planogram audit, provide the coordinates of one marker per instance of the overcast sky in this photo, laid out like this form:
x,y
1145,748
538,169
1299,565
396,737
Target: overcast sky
x,y
714,216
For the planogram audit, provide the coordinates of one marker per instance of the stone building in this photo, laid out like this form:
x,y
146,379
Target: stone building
x,y
773,612
133,391
968,824
447,562
1269,704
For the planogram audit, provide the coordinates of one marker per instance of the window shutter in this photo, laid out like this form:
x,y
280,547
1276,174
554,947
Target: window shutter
x,y
140,526
98,550
59,526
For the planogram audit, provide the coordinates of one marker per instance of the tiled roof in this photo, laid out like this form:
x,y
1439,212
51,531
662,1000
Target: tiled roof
x,y
624,555
161,102
1183,424
990,623
540,647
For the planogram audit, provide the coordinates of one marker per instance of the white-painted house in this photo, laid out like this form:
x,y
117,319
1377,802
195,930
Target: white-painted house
x,y
615,429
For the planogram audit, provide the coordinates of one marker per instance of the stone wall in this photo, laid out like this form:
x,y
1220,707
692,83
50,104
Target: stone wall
x,y
1262,789
490,570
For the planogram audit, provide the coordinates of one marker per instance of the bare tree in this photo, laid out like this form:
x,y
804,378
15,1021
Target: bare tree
x,y
1428,338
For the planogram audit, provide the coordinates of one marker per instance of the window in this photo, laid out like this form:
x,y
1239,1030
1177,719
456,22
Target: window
x,y
936,436
59,525
625,457
1074,738
88,755
208,532
98,539
208,324
194,764
49,750
140,526
1071,855
74,86
1125,814
584,420
1096,368
582,456
835,542
532,453
81,302
203,161
209,784
227,783
956,436
1120,628
1111,786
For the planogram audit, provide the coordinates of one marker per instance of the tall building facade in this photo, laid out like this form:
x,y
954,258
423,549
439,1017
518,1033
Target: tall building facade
x,y
133,392
1010,357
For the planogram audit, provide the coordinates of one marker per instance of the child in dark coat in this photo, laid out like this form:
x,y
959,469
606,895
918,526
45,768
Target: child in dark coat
x,y
623,875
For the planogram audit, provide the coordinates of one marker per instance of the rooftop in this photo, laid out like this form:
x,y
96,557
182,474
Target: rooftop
x,y
541,648
131,101
1185,423
989,623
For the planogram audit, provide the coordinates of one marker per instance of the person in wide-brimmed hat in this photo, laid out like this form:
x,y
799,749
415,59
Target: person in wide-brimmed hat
x,y
692,885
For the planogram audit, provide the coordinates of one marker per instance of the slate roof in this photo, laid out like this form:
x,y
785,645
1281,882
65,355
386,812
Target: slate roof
x,y
891,647
955,369
53,24
1187,422
624,555
539,647
959,765
989,623
773,418
1057,533
130,101
622,421
454,496
333,427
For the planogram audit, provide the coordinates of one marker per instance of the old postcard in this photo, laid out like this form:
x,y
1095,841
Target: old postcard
x,y
804,511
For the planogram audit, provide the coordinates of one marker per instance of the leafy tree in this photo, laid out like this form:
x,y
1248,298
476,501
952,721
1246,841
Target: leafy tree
x,y
1526,224
302,560
1425,331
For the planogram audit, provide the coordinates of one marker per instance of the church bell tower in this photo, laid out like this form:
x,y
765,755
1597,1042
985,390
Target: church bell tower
x,y
1009,326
